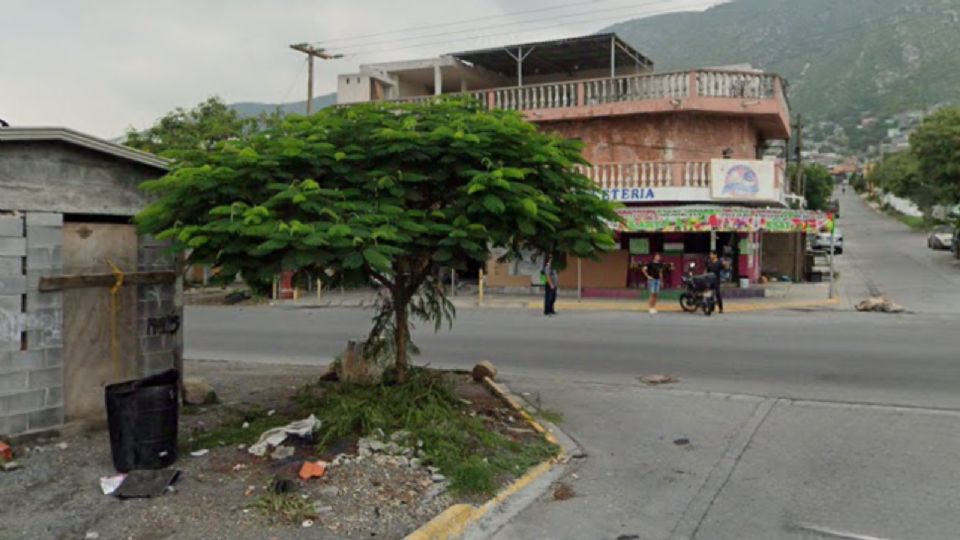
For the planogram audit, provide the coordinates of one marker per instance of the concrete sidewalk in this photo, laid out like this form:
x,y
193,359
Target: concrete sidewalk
x,y
778,296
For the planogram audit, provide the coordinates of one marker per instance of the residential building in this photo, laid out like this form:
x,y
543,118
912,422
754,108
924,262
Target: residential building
x,y
683,151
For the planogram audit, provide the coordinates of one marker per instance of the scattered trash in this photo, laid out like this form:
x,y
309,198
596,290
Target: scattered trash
x,y
681,442
109,484
275,436
271,412
282,452
313,469
322,510
628,537
241,447
249,491
562,492
8,466
200,453
91,535
62,446
330,491
239,467
245,425
658,379
6,453
142,484
879,304
236,297
307,523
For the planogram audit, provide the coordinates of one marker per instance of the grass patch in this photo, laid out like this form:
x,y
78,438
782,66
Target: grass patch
x,y
463,447
285,507
552,416
914,222
231,432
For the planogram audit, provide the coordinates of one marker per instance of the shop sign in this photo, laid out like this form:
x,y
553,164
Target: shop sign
x,y
722,219
743,180
650,194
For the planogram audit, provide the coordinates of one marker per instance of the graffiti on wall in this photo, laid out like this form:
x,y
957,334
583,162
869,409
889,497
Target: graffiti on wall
x,y
721,219
48,325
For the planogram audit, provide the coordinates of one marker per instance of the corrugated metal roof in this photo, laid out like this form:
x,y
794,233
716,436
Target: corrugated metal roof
x,y
569,55
82,139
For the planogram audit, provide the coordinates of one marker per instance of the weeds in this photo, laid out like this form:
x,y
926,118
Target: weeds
x,y
284,506
552,416
465,450
231,432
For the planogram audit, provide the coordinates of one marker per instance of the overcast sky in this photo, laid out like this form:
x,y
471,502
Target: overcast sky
x,y
101,66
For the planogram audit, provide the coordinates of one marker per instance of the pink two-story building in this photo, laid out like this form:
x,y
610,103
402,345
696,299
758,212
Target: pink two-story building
x,y
684,152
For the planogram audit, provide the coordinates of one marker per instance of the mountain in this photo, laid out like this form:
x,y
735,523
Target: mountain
x,y
847,61
251,108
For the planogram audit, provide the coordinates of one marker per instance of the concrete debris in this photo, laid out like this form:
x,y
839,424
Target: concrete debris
x,y
8,466
307,523
197,391
282,452
399,436
484,369
200,453
91,535
437,477
433,492
658,379
879,304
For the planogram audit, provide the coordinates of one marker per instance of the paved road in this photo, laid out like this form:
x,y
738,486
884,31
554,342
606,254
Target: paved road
x,y
802,424
883,255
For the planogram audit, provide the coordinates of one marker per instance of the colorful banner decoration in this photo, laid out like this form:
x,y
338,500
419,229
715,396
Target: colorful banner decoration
x,y
722,219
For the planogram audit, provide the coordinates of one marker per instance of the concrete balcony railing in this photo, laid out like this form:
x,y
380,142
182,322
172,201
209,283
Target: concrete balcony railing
x,y
713,91
649,174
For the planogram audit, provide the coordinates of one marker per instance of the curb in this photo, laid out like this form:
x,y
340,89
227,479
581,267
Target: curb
x,y
453,522
669,308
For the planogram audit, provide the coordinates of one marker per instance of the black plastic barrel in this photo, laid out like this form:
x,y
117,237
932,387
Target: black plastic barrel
x,y
142,416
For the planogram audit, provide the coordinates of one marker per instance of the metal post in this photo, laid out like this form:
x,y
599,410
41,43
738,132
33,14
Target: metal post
x,y
579,278
453,281
519,67
613,57
833,239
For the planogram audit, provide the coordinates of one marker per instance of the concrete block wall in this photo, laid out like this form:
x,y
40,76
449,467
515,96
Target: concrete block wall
x,y
31,323
159,349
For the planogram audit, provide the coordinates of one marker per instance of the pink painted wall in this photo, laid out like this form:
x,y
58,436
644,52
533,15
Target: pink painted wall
x,y
660,137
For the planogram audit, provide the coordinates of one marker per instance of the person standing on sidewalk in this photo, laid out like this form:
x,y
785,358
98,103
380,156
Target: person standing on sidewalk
x,y
548,275
653,271
716,266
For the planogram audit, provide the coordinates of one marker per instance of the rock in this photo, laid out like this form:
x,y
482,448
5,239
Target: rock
x,y
376,446
392,448
400,436
437,477
414,463
197,391
657,379
62,446
432,493
879,304
322,509
354,366
8,466
330,491
91,535
484,369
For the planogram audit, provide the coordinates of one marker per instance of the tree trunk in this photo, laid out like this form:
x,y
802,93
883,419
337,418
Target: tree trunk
x,y
400,337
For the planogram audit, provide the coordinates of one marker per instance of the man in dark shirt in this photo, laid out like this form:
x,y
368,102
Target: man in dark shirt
x,y
654,274
716,266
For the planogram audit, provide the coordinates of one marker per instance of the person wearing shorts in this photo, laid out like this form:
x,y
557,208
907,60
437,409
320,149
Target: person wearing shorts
x,y
654,274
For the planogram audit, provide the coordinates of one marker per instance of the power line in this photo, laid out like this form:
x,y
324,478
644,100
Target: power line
x,y
453,23
346,50
294,83
487,36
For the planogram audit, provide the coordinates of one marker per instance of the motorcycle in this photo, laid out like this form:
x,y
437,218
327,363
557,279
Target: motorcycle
x,y
698,293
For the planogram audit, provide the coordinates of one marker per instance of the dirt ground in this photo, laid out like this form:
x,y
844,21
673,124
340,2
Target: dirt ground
x,y
56,494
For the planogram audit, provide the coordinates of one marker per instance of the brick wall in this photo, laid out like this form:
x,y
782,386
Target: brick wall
x,y
159,351
31,323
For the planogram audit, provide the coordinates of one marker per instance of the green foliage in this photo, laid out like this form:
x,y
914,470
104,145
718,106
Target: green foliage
x,y
935,145
818,185
187,134
385,194
464,449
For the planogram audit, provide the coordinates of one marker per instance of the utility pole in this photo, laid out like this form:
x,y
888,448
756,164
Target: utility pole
x,y
798,155
312,52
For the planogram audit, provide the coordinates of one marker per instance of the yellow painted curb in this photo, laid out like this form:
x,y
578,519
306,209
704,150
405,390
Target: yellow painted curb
x,y
452,522
731,307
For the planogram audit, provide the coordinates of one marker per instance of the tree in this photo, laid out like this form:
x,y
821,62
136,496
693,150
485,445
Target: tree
x,y
818,185
383,193
936,147
187,134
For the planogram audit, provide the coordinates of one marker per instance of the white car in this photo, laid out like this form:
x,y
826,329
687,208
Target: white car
x,y
940,237
821,242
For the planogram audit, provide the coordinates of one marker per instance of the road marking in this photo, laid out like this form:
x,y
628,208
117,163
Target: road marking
x,y
837,533
699,506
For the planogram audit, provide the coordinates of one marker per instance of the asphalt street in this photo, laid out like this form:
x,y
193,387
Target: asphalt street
x,y
802,424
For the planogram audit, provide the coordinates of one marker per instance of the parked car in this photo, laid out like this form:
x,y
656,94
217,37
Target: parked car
x,y
941,237
956,242
821,242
